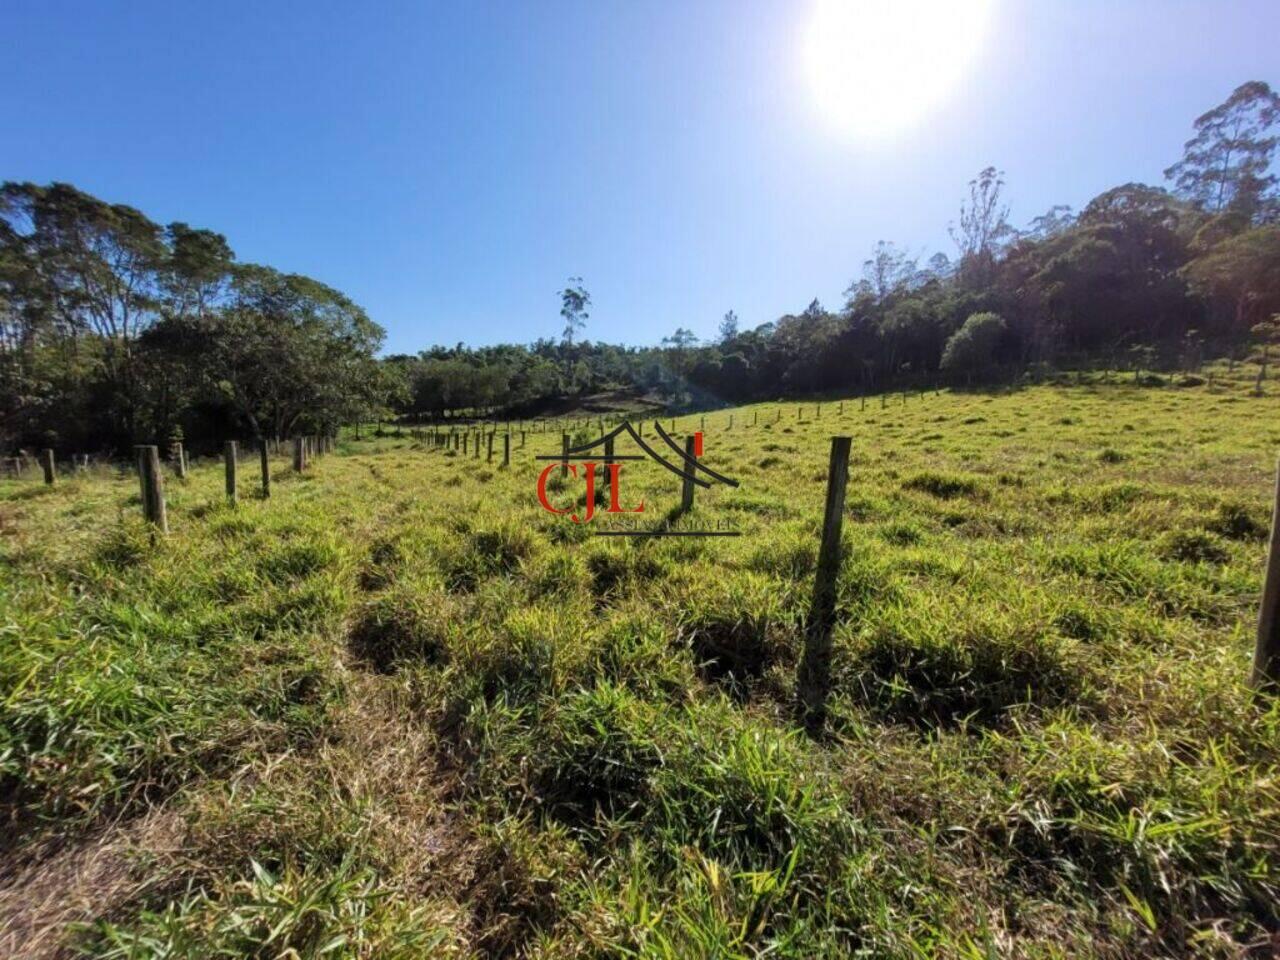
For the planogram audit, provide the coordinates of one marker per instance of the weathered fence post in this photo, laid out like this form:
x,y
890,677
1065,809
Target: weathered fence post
x,y
815,665
299,455
506,449
264,455
686,484
1266,655
152,486
179,459
521,439
46,462
489,458
229,456
564,454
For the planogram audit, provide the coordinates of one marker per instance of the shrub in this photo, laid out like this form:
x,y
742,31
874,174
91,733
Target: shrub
x,y
975,344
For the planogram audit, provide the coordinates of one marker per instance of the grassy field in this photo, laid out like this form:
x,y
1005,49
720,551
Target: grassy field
x,y
398,710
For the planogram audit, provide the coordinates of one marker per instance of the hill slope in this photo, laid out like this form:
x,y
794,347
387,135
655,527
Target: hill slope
x,y
401,710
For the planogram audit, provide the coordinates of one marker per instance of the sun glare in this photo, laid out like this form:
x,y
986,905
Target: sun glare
x,y
877,67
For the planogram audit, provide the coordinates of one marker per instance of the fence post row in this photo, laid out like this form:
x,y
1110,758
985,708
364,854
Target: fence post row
x,y
152,483
815,665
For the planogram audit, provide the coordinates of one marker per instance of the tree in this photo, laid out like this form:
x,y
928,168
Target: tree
x,y
1226,165
286,351
197,273
97,271
1243,273
680,342
574,305
983,227
974,345
728,327
888,271
1052,222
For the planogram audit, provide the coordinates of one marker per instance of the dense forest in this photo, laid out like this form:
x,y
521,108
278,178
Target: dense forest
x,y
116,329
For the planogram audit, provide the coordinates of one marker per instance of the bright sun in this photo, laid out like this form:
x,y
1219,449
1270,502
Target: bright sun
x,y
877,67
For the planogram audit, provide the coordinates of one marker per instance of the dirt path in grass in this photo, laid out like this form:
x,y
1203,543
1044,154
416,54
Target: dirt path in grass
x,y
49,887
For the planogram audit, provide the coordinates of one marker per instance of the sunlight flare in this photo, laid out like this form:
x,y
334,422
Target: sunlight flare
x,y
878,67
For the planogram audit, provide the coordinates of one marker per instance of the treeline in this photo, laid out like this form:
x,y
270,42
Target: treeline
x,y
115,330
1142,277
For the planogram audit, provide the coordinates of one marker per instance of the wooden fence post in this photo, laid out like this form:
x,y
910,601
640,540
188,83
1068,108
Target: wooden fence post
x,y
179,459
229,455
489,459
686,484
1266,655
152,486
815,665
564,454
299,455
46,461
506,449
264,455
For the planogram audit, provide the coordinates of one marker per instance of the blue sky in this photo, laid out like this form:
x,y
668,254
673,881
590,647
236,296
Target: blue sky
x,y
449,166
